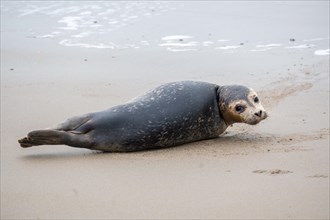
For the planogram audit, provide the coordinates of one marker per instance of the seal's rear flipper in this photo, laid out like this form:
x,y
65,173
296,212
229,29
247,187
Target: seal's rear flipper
x,y
77,123
54,137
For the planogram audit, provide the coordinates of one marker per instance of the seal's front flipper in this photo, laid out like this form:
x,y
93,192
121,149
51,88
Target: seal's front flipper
x,y
54,137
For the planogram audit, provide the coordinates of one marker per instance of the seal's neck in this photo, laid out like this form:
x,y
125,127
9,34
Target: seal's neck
x,y
223,109
227,116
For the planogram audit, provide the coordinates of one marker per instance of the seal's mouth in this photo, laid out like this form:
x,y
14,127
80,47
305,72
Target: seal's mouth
x,y
256,118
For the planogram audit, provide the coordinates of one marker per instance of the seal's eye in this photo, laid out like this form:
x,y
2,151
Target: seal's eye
x,y
239,108
256,100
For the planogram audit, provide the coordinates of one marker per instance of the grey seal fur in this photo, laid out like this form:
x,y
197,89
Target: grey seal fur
x,y
169,115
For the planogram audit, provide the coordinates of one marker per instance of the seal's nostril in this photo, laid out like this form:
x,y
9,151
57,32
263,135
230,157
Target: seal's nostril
x,y
258,113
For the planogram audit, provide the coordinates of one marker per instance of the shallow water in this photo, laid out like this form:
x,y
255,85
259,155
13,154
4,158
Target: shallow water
x,y
239,27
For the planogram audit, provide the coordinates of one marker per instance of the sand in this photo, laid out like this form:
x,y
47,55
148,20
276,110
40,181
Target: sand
x,y
278,169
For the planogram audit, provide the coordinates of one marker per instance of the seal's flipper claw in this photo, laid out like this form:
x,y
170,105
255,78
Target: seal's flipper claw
x,y
26,142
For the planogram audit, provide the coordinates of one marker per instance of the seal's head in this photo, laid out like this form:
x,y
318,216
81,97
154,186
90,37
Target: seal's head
x,y
240,104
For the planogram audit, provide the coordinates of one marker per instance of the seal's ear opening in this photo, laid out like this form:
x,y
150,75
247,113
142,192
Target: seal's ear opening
x,y
223,107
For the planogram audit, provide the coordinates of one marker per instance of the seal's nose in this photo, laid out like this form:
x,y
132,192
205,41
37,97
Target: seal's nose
x,y
259,113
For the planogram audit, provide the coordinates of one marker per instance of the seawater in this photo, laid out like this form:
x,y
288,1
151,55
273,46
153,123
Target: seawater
x,y
169,25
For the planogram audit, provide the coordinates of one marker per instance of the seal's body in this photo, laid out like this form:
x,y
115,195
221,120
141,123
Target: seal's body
x,y
170,115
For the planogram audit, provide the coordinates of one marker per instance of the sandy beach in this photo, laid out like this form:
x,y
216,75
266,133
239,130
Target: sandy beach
x,y
61,59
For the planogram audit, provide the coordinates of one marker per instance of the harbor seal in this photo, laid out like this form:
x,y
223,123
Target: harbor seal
x,y
169,115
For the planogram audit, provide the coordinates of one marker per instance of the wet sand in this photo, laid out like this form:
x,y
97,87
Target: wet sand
x,y
278,169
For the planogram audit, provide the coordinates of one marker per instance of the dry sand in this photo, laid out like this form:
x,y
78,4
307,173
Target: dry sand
x,y
278,169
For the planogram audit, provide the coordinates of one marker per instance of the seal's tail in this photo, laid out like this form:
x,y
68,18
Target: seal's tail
x,y
55,137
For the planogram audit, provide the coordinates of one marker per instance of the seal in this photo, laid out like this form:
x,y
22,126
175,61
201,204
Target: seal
x,y
171,114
